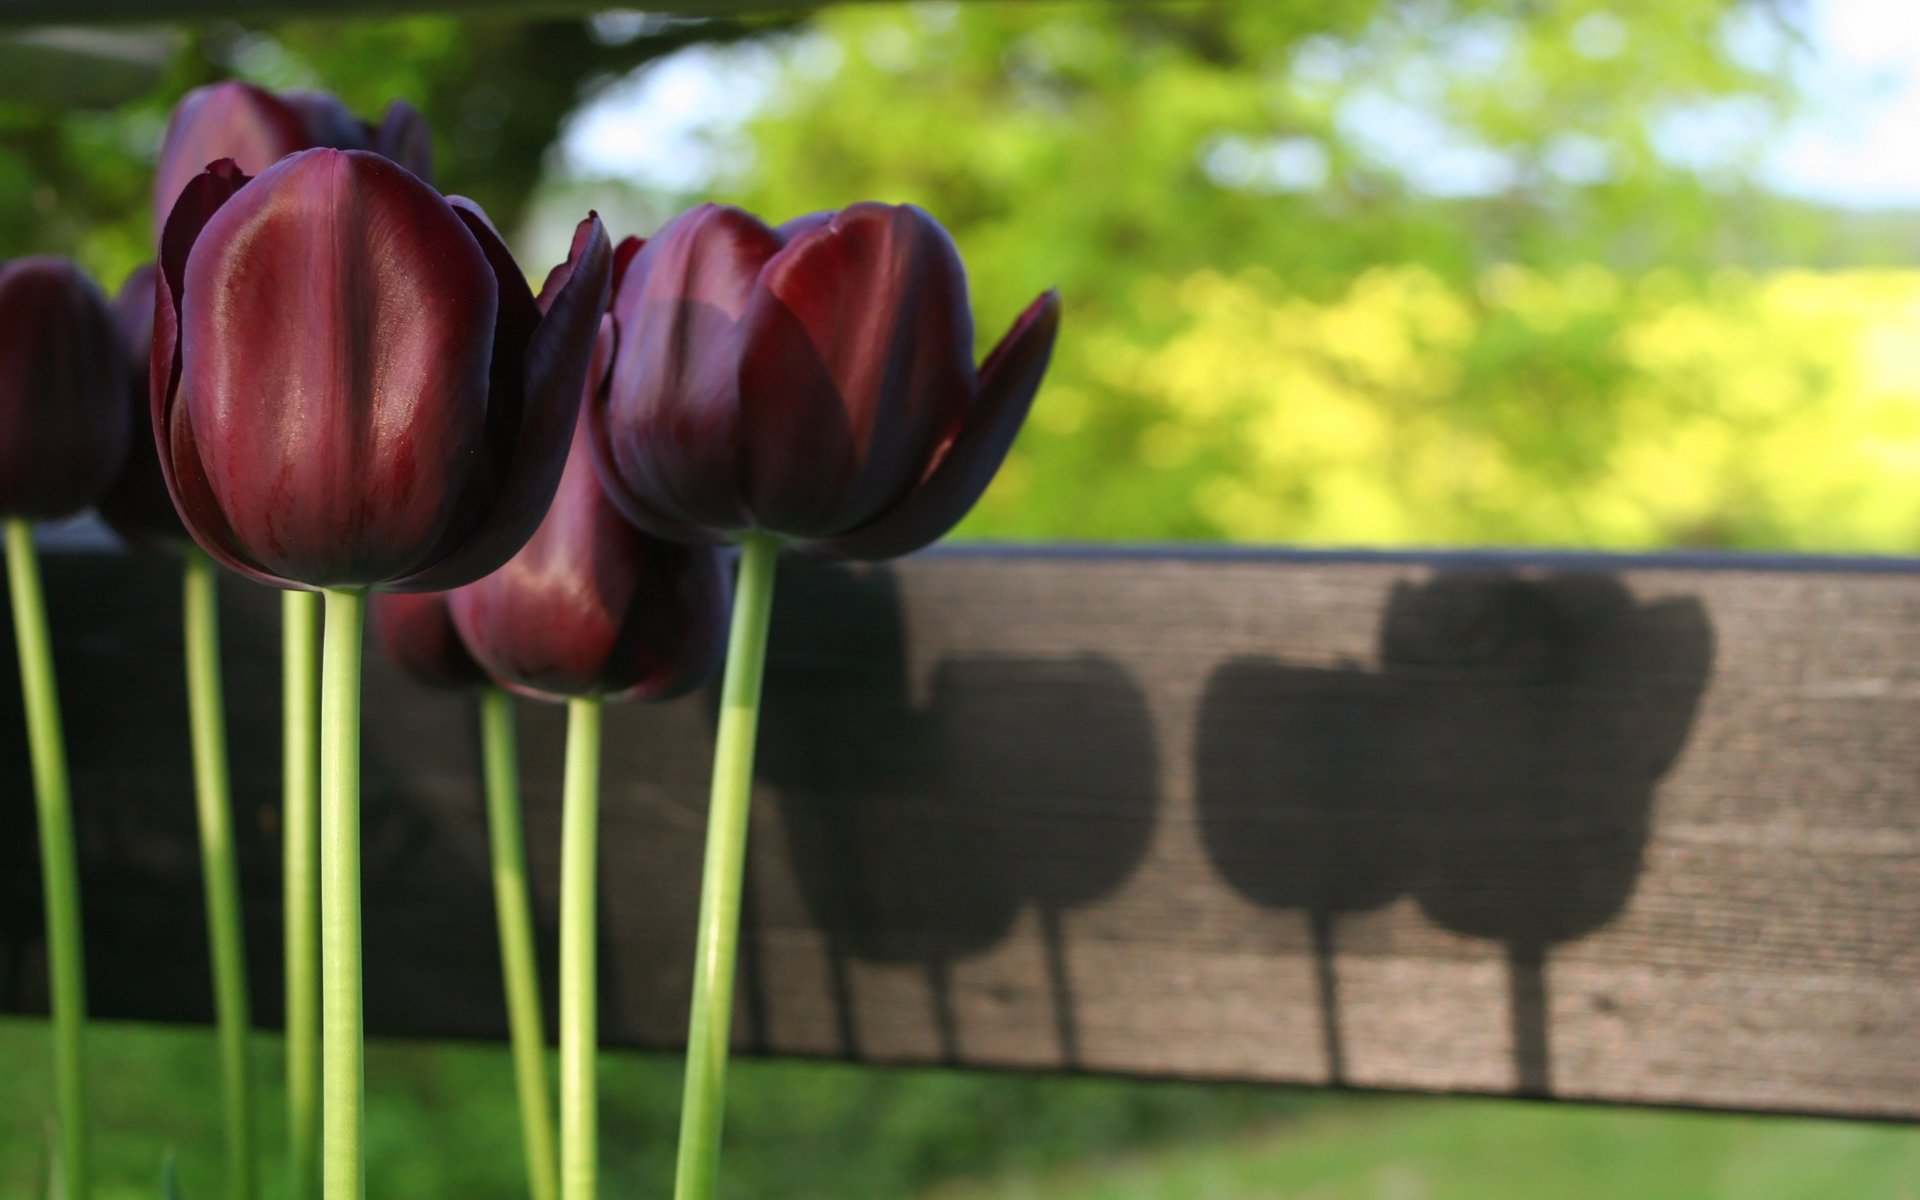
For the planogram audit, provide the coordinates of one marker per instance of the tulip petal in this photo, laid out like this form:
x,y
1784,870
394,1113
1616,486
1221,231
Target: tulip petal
x,y
623,256
405,138
593,606
667,424
334,360
542,402
247,124
174,442
858,361
1008,381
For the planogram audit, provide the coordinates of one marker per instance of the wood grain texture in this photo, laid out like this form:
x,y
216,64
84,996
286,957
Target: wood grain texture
x,y
1634,830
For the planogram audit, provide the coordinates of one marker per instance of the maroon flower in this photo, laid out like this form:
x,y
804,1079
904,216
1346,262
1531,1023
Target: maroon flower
x,y
352,384
814,381
256,128
137,506
416,630
63,390
593,607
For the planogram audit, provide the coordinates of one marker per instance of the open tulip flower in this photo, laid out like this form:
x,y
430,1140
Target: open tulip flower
x,y
63,435
257,128
814,381
352,390
810,384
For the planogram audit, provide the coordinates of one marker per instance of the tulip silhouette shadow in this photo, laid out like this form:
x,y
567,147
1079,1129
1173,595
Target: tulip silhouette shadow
x,y
919,833
1499,766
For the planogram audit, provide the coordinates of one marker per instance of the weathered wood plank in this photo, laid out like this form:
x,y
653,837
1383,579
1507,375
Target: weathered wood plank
x,y
1626,830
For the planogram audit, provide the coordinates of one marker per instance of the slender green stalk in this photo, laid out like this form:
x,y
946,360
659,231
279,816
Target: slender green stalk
x,y
342,1073
59,871
518,962
213,793
704,1103
300,815
579,1022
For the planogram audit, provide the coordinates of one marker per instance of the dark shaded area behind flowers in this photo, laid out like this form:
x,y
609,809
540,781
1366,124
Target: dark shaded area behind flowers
x,y
423,832
1509,743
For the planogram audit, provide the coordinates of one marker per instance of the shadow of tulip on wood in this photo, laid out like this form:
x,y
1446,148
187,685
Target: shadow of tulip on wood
x,y
1498,766
920,829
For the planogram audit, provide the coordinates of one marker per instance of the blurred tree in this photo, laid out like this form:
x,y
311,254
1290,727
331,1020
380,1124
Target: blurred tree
x,y
495,91
1286,234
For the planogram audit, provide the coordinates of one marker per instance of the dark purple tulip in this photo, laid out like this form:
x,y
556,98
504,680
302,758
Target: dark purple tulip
x,y
256,128
416,631
352,385
593,607
137,506
814,381
63,390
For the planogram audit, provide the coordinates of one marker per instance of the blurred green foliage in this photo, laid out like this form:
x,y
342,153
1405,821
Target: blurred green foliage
x,y
494,91
1438,273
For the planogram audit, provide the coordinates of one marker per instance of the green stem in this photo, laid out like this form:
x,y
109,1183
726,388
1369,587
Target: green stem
x,y
221,874
518,962
59,871
579,1031
342,1074
300,816
709,1030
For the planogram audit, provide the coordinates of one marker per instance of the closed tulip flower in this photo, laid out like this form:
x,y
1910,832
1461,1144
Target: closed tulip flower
x,y
814,381
257,128
354,390
812,384
353,386
591,609
594,607
416,630
63,390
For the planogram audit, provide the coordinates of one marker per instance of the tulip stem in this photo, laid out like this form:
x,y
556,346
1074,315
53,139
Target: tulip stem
x,y
579,1022
518,963
709,1030
300,818
60,873
220,873
342,1073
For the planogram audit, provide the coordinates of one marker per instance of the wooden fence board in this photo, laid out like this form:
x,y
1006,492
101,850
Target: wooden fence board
x,y
1635,830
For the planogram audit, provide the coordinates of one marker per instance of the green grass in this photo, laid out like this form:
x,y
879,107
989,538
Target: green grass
x,y
442,1126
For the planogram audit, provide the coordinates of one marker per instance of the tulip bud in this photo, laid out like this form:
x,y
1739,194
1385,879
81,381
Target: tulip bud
x,y
63,390
353,386
256,128
593,607
814,381
417,632
137,506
